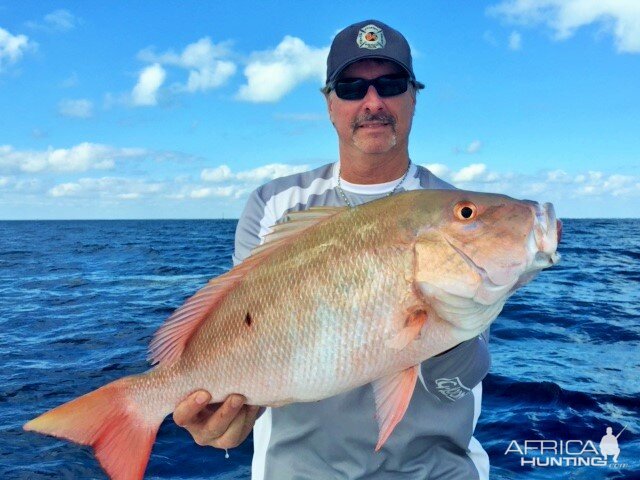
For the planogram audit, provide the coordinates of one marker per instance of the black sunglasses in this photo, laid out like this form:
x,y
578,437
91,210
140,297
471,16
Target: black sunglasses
x,y
386,86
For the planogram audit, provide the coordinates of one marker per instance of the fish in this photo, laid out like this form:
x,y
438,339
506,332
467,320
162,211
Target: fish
x,y
335,298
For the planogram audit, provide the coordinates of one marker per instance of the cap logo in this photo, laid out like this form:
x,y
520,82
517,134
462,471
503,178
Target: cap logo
x,y
371,37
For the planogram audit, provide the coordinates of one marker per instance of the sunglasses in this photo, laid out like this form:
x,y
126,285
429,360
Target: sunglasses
x,y
386,86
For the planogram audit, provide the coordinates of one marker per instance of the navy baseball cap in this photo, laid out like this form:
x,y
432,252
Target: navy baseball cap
x,y
368,39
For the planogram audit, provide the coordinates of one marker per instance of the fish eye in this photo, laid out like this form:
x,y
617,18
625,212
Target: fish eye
x,y
465,211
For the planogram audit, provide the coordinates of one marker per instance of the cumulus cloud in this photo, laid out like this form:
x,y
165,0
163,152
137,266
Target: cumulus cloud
x,y
515,41
61,20
474,147
597,183
621,18
273,73
551,183
218,174
13,47
206,192
80,158
81,108
269,172
71,81
471,173
107,187
57,21
205,61
151,78
253,176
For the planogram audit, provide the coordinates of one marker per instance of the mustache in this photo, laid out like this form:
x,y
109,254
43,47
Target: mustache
x,y
370,117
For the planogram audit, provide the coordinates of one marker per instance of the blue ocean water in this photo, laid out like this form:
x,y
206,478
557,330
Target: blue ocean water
x,y
80,301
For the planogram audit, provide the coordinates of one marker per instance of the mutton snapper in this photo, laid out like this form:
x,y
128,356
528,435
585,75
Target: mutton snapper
x,y
336,298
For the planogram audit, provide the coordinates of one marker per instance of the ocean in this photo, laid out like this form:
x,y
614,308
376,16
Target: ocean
x,y
80,301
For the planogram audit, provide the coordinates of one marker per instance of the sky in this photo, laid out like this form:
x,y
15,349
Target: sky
x,y
146,109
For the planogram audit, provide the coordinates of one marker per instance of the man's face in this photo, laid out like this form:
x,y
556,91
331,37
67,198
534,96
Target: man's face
x,y
374,124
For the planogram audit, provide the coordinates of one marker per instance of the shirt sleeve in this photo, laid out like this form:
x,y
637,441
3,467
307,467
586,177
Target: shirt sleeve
x,y
452,375
248,229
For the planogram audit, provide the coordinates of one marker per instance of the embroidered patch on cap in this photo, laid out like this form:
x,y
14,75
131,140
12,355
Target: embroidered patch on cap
x,y
371,37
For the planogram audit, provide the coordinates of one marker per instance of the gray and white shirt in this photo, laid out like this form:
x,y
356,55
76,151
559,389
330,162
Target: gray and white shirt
x,y
335,438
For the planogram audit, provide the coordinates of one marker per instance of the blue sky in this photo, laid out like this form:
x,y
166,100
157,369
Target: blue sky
x,y
179,109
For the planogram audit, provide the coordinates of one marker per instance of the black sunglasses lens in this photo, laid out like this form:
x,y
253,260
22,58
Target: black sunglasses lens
x,y
386,86
352,89
390,86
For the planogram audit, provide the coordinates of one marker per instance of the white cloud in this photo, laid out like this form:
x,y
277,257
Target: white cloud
x,y
13,47
203,59
71,81
81,108
253,176
80,158
558,176
145,92
619,17
552,183
65,190
269,172
61,20
107,187
439,169
274,73
470,173
218,174
206,192
474,147
57,21
515,41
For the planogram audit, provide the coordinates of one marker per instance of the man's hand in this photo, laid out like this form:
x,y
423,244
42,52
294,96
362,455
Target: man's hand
x,y
220,425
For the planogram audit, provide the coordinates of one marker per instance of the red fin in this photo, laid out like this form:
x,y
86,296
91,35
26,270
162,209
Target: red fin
x,y
172,337
411,330
392,395
111,423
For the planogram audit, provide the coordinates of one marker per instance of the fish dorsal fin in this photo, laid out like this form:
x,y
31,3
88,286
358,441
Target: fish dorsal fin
x,y
172,337
293,223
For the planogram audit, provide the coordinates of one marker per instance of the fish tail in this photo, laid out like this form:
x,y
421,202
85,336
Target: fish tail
x,y
119,430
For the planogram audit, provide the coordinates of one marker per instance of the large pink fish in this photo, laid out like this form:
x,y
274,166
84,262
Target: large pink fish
x,y
335,299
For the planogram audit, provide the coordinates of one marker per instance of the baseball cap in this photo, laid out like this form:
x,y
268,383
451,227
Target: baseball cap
x,y
368,39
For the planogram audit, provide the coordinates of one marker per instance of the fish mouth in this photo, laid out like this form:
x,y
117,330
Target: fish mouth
x,y
545,237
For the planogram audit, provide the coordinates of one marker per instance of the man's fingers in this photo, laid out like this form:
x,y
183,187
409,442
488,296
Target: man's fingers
x,y
234,435
222,418
249,421
187,411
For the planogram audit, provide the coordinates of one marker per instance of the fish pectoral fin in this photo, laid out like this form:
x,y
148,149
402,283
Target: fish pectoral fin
x,y
392,394
410,331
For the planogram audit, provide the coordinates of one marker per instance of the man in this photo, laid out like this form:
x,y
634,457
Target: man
x,y
371,95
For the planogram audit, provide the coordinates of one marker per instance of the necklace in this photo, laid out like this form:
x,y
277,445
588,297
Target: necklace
x,y
348,203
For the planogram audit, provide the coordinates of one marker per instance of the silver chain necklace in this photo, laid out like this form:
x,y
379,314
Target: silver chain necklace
x,y
348,203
